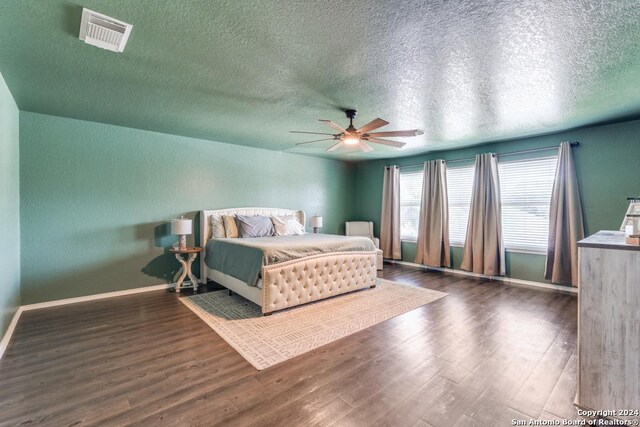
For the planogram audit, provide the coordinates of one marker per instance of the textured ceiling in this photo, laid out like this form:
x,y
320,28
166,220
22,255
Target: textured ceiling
x,y
247,72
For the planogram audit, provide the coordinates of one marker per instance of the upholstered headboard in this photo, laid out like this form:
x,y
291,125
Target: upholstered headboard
x,y
205,224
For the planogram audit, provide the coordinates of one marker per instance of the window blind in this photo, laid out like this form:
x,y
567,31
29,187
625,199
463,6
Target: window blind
x,y
459,188
525,190
410,197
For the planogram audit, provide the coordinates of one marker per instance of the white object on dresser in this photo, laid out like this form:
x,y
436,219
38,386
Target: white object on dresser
x,y
609,324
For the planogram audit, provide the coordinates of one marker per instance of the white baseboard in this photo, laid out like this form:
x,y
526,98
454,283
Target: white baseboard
x,y
507,280
14,321
7,335
75,300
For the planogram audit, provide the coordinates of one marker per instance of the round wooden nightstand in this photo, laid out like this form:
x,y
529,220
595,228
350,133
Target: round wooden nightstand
x,y
185,271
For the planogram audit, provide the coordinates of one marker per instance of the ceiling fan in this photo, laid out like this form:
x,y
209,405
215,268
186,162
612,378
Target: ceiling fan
x,y
359,138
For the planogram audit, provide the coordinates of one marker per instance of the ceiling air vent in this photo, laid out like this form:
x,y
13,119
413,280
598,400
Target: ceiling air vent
x,y
104,32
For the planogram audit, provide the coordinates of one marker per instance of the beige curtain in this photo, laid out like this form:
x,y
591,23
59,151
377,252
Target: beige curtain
x,y
565,222
390,218
484,247
433,230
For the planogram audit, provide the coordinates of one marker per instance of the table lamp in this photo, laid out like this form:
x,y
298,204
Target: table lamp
x,y
316,223
181,227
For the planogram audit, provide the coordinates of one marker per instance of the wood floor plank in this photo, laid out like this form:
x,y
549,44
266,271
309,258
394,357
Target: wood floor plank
x,y
201,410
510,417
436,402
482,356
535,392
520,359
465,421
384,401
560,402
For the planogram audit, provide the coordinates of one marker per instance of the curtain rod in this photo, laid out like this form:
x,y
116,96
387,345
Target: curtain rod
x,y
511,153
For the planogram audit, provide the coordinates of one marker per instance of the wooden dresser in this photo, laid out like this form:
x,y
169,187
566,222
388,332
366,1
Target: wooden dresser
x,y
609,325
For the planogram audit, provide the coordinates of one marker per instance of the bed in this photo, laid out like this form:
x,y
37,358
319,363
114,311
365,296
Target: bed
x,y
291,271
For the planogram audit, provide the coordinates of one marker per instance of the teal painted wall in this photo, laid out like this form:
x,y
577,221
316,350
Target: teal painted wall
x,y
9,208
607,164
96,199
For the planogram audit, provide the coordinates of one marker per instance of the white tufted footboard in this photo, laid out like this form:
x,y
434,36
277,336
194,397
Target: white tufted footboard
x,y
316,277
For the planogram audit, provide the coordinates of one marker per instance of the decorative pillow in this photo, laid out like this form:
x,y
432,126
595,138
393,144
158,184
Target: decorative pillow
x,y
230,226
217,227
254,226
287,226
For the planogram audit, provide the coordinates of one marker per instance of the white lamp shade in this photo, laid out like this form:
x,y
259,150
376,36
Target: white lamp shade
x,y
181,226
315,221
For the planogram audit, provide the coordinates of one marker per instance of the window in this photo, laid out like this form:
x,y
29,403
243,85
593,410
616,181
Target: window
x,y
459,188
410,196
525,190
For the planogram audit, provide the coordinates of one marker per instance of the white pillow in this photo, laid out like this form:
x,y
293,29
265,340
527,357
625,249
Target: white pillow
x,y
217,227
287,226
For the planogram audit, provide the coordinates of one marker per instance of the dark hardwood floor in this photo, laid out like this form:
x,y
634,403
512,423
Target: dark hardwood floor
x,y
484,355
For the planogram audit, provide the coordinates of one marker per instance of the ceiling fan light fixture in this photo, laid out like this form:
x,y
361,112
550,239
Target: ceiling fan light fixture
x,y
360,138
351,139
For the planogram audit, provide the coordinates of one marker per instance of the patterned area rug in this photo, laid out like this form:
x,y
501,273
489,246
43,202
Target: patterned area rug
x,y
267,340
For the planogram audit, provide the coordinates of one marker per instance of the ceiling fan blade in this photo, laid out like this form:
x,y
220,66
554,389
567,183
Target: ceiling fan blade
x,y
311,133
388,142
413,132
336,146
333,125
316,140
363,146
373,124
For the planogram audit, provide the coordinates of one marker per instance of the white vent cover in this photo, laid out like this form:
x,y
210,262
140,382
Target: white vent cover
x,y
104,32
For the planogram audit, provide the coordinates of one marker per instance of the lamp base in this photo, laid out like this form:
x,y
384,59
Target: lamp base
x,y
316,229
182,244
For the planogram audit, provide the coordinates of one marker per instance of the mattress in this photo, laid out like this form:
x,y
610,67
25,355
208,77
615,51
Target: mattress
x,y
244,258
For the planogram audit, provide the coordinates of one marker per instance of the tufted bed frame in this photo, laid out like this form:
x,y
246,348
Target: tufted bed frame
x,y
294,282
